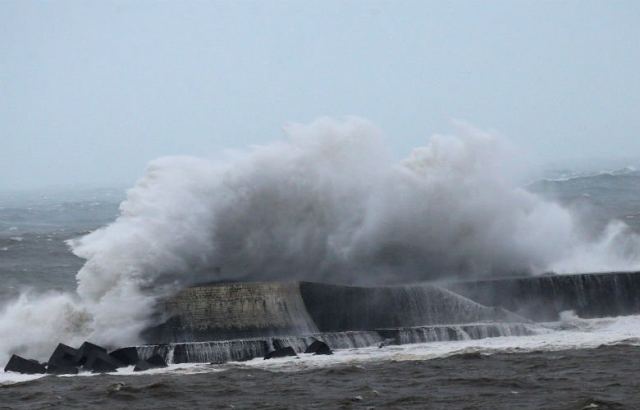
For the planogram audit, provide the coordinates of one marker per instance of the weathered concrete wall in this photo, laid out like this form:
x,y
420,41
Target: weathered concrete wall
x,y
245,310
250,310
233,311
543,298
337,308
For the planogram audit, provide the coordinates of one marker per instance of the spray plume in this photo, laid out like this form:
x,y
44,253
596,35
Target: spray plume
x,y
329,203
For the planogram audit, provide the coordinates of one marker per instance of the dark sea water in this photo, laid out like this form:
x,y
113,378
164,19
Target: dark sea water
x,y
563,373
603,196
600,378
33,229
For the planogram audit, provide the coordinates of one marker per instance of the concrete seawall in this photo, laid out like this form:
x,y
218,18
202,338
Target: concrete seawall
x,y
257,310
240,321
233,311
336,308
543,298
249,310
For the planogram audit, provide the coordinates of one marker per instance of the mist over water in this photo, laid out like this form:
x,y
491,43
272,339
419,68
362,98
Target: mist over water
x,y
328,203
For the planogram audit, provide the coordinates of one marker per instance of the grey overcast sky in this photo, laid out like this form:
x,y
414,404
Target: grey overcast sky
x,y
90,91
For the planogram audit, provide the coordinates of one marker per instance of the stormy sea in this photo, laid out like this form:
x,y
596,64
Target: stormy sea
x,y
328,205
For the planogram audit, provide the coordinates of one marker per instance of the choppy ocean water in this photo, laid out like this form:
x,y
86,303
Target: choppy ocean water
x,y
580,364
34,228
585,364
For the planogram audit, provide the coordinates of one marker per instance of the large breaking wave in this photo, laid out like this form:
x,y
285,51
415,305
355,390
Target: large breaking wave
x,y
328,203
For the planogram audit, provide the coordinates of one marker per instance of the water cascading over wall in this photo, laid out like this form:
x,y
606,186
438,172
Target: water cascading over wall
x,y
336,308
221,351
542,298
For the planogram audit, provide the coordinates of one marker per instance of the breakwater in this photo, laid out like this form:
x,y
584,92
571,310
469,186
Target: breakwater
x,y
250,310
240,321
232,311
542,298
